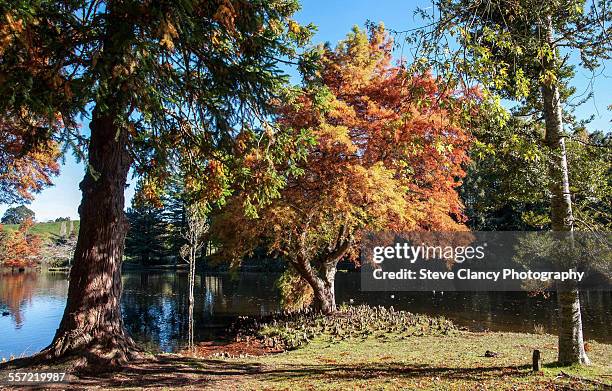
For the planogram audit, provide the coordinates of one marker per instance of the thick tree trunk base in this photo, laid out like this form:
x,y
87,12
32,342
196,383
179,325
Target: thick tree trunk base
x,y
84,353
325,299
91,333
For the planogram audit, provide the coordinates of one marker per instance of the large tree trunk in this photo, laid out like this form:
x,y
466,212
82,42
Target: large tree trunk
x,y
92,319
92,328
322,279
571,344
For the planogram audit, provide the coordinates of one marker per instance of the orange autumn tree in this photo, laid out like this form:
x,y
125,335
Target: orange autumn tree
x,y
28,155
387,154
19,248
27,163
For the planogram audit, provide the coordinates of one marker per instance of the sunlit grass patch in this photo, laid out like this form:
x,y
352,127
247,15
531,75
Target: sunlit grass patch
x,y
454,362
46,231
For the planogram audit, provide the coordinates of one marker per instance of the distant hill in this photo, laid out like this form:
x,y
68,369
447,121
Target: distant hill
x,y
46,231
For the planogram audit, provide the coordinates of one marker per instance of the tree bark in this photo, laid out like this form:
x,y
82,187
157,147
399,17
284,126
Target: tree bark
x,y
92,319
571,344
325,295
322,280
322,287
191,300
92,328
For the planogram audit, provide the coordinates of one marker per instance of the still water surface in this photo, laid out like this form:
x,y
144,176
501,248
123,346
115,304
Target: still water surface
x,y
155,307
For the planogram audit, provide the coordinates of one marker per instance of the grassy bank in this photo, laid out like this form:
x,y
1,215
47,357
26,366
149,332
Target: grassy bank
x,y
45,231
454,362
413,353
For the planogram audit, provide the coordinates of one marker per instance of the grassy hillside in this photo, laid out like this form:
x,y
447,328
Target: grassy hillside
x,y
45,230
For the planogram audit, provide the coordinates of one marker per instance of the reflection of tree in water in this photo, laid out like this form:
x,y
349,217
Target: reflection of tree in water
x,y
18,289
212,286
596,309
15,291
155,305
151,307
156,309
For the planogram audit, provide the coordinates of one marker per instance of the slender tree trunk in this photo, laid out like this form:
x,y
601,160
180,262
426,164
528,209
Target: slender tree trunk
x,y
191,278
571,344
192,264
195,230
92,319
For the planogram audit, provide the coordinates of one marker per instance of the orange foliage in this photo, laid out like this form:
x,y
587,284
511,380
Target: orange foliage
x,y
9,30
20,248
26,165
28,157
388,155
383,116
226,14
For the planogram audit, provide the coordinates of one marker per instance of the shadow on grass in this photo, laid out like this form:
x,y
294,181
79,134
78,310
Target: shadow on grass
x,y
370,371
165,371
174,371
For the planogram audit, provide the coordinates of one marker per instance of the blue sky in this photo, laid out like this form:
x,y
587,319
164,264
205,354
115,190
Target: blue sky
x,y
334,19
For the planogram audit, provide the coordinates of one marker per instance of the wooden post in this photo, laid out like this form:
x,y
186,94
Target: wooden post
x,y
537,361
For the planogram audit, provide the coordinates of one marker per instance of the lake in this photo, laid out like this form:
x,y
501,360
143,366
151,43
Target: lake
x,y
155,307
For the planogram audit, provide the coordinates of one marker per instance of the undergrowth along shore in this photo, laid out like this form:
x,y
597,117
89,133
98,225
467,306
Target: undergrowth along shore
x,y
291,330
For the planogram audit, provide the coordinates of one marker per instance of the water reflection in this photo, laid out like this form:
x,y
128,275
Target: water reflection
x,y
35,303
155,307
15,292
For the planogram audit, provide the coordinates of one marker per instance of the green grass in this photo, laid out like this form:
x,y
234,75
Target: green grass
x,y
454,362
376,348
428,362
46,231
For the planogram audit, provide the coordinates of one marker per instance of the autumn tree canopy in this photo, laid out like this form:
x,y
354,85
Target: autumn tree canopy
x,y
387,153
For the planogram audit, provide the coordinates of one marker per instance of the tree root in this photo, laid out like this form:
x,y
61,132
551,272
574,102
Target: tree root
x,y
94,356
